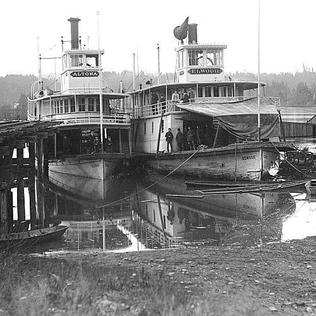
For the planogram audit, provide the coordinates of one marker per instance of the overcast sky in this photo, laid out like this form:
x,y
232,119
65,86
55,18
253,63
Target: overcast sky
x,y
126,26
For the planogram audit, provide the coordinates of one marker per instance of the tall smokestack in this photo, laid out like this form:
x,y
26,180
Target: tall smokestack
x,y
74,28
192,30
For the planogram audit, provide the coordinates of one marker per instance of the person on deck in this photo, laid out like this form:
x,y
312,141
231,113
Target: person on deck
x,y
191,95
108,144
163,103
169,139
185,97
179,139
190,138
175,97
154,102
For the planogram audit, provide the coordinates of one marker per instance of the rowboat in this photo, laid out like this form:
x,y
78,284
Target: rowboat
x,y
311,187
31,237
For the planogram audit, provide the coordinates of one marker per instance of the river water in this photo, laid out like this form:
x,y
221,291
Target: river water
x,y
154,212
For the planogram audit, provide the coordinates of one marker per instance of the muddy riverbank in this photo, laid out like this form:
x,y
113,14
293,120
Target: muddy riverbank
x,y
277,278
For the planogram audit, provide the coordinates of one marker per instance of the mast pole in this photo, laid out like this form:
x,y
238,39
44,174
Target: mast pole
x,y
134,81
158,55
39,65
258,96
100,85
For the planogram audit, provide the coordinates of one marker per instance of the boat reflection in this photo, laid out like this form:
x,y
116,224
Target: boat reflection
x,y
171,221
124,214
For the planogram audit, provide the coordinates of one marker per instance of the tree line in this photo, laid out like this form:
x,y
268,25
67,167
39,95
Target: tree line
x,y
294,89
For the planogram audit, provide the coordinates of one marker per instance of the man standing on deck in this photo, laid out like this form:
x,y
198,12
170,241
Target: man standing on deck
x,y
169,139
179,139
190,139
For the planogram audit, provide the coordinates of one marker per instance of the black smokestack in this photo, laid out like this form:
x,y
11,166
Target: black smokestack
x,y
74,28
192,30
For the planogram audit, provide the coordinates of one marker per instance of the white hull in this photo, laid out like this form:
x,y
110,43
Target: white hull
x,y
244,162
89,167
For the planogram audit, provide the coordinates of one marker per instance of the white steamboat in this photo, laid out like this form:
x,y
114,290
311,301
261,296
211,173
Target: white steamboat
x,y
219,113
93,136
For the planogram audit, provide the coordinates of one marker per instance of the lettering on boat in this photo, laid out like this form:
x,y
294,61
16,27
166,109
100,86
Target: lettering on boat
x,y
85,74
204,71
248,157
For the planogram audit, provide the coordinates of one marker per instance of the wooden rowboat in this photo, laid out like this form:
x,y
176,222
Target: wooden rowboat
x,y
311,187
31,237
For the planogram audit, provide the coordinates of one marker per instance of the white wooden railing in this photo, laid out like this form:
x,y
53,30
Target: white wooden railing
x,y
86,118
171,106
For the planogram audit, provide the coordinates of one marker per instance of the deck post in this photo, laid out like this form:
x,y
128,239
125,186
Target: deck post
x,y
159,134
261,163
216,135
39,154
32,198
130,144
236,161
20,197
9,209
45,157
3,212
120,141
55,145
32,154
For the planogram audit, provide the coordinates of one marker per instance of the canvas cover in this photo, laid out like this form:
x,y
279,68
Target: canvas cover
x,y
241,118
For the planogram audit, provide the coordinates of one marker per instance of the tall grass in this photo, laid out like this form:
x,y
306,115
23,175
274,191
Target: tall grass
x,y
40,286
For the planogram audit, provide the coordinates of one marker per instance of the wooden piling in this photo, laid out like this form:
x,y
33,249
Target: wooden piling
x,y
3,212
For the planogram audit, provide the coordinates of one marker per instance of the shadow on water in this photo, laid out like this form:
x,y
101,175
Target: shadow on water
x,y
128,214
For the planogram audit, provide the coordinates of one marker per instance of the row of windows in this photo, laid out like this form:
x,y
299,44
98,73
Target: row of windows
x,y
68,105
202,58
80,60
153,127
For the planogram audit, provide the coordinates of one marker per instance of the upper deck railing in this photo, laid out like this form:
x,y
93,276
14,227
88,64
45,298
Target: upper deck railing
x,y
85,118
171,106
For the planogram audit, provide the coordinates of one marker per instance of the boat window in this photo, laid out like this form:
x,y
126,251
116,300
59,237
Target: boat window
x,y
57,106
144,128
72,105
61,105
152,127
210,58
82,104
91,104
92,60
216,92
195,57
97,104
66,105
213,57
208,92
200,93
76,60
180,59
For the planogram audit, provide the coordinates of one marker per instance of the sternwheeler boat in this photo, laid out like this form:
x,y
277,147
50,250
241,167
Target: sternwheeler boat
x,y
93,136
216,115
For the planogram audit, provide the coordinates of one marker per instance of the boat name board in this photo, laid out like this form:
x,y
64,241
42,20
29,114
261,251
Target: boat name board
x,y
204,71
85,74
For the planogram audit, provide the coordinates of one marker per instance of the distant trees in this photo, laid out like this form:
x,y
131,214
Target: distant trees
x,y
294,89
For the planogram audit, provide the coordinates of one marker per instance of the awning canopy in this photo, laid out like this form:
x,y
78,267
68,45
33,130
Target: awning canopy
x,y
241,118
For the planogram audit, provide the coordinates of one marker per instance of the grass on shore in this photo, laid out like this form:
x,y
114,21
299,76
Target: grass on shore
x,y
40,286
47,286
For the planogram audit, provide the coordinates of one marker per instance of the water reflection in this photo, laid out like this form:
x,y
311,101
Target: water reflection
x,y
124,214
302,222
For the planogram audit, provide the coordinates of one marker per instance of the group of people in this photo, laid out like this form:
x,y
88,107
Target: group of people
x,y
156,101
176,97
186,141
94,143
185,96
